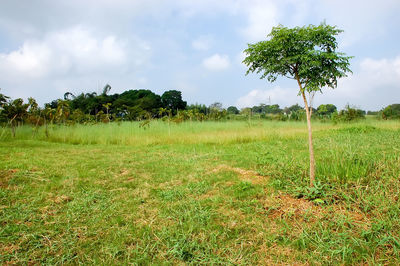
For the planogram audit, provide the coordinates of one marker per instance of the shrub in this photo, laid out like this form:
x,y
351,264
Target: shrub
x,y
348,114
391,112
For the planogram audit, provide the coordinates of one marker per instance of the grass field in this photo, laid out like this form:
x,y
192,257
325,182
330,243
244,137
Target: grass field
x,y
201,193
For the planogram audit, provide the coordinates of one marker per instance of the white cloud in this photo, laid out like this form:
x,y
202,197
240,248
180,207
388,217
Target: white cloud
x,y
277,95
216,62
262,15
361,20
73,50
30,60
202,43
72,59
374,84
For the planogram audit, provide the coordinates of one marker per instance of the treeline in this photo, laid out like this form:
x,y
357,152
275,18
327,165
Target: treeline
x,y
324,112
129,105
136,105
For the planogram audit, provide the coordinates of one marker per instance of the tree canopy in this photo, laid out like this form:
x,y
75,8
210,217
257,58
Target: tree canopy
x,y
306,54
172,100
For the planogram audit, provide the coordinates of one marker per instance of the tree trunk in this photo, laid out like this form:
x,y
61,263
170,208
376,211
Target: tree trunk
x,y
310,144
13,130
46,131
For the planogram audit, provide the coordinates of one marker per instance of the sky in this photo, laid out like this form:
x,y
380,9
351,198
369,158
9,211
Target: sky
x,y
49,47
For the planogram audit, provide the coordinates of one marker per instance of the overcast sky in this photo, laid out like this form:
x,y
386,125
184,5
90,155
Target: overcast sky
x,y
48,47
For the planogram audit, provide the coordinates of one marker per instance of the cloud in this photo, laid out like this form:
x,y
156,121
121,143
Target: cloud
x,y
202,43
261,17
74,50
74,57
277,95
216,62
374,85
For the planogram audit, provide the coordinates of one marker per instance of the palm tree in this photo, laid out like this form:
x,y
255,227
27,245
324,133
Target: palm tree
x,y
67,95
3,99
106,89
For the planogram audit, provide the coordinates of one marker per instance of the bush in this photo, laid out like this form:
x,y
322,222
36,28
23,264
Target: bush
x,y
391,112
348,114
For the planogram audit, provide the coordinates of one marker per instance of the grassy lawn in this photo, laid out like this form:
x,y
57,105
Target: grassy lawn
x,y
200,193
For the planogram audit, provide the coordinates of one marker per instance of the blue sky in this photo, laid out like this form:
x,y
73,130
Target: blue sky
x,y
50,47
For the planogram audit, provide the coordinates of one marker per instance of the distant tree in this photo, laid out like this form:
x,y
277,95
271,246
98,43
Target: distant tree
x,y
49,115
372,112
266,109
78,116
326,110
106,89
3,99
172,100
246,112
198,108
295,108
291,109
63,110
68,96
107,107
136,101
305,54
391,111
217,106
34,115
52,104
349,114
15,111
232,110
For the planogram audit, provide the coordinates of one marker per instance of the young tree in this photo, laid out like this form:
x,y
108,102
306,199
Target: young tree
x,y
63,110
306,54
107,106
34,115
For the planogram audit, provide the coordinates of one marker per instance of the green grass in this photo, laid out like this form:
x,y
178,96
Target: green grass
x,y
200,193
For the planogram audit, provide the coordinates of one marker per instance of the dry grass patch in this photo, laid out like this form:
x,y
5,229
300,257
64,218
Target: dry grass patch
x,y
8,249
285,206
278,255
62,199
245,175
5,176
302,214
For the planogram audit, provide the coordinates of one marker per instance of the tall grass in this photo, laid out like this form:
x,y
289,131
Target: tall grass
x,y
161,132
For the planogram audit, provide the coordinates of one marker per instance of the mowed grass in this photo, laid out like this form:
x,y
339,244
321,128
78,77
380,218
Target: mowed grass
x,y
201,193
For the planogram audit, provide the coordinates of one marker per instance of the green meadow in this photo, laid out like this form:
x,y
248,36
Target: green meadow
x,y
233,192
